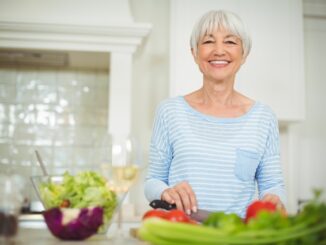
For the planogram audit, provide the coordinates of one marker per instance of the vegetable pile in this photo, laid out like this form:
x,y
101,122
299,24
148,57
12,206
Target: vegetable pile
x,y
84,190
264,226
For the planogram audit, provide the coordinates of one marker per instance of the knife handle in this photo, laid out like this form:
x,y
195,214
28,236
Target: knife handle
x,y
162,204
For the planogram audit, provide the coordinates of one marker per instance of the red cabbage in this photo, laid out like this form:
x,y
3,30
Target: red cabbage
x,y
83,226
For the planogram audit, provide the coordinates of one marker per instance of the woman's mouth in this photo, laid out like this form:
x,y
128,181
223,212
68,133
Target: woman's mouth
x,y
219,63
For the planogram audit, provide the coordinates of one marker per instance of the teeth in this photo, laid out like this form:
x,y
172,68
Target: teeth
x,y
219,62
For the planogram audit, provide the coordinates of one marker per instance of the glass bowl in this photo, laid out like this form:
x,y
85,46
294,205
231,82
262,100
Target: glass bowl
x,y
83,190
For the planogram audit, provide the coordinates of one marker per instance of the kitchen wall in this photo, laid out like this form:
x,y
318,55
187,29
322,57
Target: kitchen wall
x,y
256,79
150,77
311,134
107,28
62,112
303,143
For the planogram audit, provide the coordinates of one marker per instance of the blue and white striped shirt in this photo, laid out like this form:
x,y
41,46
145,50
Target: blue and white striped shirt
x,y
221,158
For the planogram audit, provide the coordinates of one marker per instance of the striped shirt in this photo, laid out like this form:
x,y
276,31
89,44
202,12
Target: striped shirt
x,y
221,158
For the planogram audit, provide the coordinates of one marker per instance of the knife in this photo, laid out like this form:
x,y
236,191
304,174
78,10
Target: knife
x,y
199,216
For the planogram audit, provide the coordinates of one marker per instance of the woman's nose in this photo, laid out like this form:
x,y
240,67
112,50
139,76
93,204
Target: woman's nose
x,y
219,50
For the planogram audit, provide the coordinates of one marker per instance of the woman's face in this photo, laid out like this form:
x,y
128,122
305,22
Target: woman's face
x,y
219,55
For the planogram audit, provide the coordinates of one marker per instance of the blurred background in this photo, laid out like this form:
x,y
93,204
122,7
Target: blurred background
x,y
70,71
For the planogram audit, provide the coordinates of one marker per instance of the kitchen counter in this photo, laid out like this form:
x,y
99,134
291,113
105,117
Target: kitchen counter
x,y
44,237
33,230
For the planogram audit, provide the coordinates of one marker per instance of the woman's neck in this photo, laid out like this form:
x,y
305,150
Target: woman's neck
x,y
219,99
222,93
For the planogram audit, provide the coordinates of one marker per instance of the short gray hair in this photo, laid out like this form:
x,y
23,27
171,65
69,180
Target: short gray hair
x,y
215,19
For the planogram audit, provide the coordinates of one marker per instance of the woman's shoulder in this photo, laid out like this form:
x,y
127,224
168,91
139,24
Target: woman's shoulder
x,y
169,108
170,103
255,108
264,108
265,113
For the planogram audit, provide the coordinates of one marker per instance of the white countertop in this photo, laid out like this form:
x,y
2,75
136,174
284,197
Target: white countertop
x,y
44,237
33,230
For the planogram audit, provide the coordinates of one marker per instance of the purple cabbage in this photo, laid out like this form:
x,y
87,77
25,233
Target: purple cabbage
x,y
84,226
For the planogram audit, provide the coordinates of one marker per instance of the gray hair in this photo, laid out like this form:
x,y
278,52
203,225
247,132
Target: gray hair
x,y
215,19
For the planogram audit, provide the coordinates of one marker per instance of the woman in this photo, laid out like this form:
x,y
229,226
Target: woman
x,y
209,148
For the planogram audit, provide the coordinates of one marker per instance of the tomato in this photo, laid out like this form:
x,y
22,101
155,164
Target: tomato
x,y
173,215
159,213
177,216
65,204
258,206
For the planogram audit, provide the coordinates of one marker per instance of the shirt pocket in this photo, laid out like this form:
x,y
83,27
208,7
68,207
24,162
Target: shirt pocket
x,y
246,164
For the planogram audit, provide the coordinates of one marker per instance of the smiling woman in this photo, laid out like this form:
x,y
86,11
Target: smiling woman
x,y
210,147
220,44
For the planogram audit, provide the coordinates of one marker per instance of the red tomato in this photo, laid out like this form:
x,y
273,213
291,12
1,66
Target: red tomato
x,y
65,204
257,206
159,213
177,216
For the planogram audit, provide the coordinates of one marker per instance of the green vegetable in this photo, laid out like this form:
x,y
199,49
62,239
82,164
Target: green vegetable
x,y
308,227
230,223
86,189
268,220
159,231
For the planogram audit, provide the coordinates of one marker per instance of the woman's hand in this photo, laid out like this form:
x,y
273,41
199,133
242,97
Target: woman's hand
x,y
182,195
276,200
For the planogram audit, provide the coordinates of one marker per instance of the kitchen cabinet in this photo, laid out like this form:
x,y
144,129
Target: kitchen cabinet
x,y
273,72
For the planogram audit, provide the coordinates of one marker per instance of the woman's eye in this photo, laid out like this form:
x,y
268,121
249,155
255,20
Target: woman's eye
x,y
207,41
230,42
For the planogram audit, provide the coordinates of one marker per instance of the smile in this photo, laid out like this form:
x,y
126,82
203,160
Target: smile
x,y
219,62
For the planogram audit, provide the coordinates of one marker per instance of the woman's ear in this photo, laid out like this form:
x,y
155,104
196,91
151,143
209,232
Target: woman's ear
x,y
244,55
243,60
194,55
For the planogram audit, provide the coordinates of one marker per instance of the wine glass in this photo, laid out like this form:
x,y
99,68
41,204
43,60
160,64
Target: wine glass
x,y
121,162
124,164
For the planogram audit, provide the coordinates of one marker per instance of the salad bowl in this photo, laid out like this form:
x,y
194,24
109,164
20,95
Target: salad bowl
x,y
86,192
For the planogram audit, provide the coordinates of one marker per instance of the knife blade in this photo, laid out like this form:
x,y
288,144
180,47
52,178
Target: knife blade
x,y
199,216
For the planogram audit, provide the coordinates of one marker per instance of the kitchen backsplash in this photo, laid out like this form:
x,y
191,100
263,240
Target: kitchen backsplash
x,y
60,112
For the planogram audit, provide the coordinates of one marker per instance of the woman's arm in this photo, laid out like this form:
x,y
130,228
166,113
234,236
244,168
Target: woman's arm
x,y
160,156
269,173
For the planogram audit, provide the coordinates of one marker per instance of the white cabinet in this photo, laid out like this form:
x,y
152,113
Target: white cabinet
x,y
273,72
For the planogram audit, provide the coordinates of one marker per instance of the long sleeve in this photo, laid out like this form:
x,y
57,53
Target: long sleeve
x,y
269,173
160,156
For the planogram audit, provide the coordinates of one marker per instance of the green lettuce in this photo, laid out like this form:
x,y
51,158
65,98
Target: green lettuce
x,y
85,189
